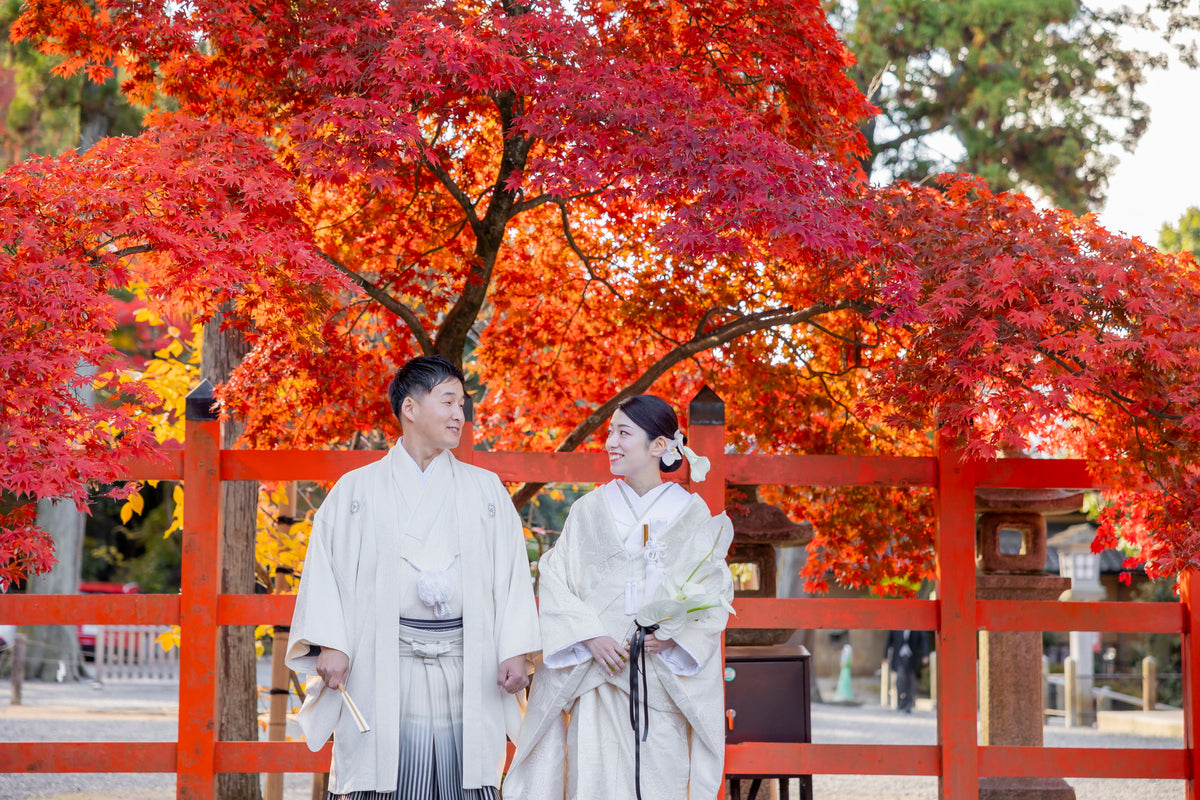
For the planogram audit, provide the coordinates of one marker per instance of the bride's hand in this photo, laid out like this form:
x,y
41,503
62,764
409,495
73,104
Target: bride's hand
x,y
607,652
655,645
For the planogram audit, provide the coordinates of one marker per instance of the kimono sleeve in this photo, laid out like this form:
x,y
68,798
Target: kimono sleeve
x,y
700,639
516,611
322,617
567,621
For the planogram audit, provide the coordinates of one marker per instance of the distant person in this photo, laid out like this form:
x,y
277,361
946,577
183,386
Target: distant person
x,y
622,547
906,652
416,598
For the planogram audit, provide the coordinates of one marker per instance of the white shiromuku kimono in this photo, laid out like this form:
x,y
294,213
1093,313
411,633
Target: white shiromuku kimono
x,y
603,568
396,557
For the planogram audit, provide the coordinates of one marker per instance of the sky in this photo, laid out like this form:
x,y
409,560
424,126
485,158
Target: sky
x,y
1161,178
1159,181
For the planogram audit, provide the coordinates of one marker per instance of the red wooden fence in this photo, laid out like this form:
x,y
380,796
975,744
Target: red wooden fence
x,y
958,760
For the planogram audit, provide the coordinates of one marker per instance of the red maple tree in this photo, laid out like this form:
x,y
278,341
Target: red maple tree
x,y
582,202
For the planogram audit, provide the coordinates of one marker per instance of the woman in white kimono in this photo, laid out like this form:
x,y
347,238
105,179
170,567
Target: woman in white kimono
x,y
627,548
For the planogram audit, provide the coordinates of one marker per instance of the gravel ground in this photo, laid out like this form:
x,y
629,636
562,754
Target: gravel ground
x,y
118,711
147,711
871,724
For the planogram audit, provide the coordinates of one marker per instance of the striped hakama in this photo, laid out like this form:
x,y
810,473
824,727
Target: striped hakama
x,y
431,713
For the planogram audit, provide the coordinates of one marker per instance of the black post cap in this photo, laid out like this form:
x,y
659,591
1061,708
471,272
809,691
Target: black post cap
x,y
706,408
200,402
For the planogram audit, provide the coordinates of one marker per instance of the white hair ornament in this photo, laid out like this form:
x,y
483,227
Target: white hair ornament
x,y
676,450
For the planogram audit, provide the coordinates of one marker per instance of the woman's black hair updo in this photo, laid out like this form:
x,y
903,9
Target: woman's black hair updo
x,y
656,417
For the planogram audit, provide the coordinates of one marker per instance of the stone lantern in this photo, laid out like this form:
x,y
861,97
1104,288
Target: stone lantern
x,y
1011,556
758,528
1081,566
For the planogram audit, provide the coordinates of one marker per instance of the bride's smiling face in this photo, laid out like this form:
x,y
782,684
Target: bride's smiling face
x,y
630,451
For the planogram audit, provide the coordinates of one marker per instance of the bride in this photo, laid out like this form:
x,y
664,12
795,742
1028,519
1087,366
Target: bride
x,y
630,549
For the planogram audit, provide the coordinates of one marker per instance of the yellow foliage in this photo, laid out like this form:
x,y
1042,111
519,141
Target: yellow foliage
x,y
176,511
171,374
169,639
277,545
134,505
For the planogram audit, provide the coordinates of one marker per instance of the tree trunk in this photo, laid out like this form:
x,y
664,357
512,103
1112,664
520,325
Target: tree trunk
x,y
223,350
54,652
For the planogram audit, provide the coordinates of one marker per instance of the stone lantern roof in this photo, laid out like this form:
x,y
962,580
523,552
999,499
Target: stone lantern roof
x,y
1074,538
1042,501
763,523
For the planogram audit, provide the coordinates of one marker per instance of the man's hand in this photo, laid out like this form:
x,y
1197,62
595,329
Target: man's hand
x,y
513,675
333,666
606,651
653,644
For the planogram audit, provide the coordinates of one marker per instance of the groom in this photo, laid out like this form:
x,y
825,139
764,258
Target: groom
x,y
416,600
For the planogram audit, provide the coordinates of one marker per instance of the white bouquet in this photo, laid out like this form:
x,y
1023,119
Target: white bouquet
x,y
678,602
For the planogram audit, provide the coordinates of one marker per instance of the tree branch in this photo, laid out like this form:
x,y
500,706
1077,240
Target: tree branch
x,y
387,301
723,334
489,232
542,199
128,251
914,134
455,191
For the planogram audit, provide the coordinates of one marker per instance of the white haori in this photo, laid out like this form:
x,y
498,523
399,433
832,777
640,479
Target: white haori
x,y
582,596
352,593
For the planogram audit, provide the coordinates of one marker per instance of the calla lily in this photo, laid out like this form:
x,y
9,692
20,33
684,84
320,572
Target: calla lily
x,y
680,602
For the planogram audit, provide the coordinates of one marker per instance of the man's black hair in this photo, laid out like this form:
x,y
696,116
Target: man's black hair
x,y
418,377
654,416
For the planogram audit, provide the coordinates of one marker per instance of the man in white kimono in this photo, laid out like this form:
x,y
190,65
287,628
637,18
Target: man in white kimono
x,y
416,601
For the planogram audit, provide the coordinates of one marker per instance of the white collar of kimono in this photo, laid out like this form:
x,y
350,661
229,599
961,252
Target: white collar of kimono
x,y
423,474
668,501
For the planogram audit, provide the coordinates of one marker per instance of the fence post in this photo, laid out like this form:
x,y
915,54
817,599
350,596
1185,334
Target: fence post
x,y
706,435
18,669
1071,692
957,679
200,590
1149,683
885,684
465,452
1189,598
280,691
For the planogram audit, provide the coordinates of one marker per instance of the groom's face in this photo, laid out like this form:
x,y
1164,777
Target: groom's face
x,y
436,419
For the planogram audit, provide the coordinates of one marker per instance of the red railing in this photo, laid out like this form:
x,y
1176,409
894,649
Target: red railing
x,y
958,759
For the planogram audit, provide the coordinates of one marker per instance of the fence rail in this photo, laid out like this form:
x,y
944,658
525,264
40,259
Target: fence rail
x,y
956,615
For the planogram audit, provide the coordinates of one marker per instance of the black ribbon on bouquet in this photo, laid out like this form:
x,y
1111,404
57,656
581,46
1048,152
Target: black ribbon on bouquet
x,y
639,707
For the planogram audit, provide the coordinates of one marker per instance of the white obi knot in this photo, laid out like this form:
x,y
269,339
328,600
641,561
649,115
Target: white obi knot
x,y
435,588
654,552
